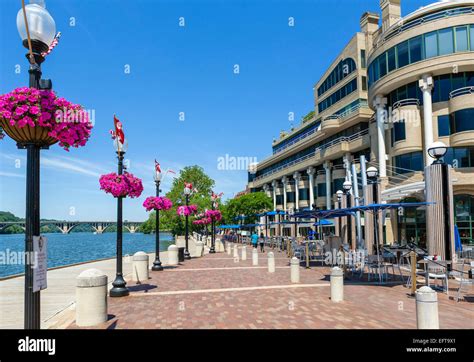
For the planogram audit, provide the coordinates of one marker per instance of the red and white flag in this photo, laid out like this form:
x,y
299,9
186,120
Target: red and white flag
x,y
119,130
157,167
52,45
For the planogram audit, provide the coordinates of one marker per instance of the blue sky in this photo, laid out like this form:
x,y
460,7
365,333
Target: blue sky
x,y
173,69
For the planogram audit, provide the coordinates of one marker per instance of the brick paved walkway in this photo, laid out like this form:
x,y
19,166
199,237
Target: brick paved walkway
x,y
216,292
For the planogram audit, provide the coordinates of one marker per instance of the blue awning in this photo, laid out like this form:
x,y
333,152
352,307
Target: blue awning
x,y
323,222
229,227
273,213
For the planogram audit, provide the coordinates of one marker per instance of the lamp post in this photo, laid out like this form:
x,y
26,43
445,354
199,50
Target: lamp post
x,y
347,185
37,32
339,194
119,286
157,263
372,178
212,250
437,150
187,192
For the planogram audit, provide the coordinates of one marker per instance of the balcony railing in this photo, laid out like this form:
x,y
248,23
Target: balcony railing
x,y
406,102
296,140
343,139
347,112
461,92
289,164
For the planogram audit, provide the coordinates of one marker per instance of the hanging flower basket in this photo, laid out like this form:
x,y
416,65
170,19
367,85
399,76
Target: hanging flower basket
x,y
186,210
203,221
121,185
157,203
214,215
30,115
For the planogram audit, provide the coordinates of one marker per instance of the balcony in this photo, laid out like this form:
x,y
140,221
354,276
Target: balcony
x,y
342,145
335,121
296,140
406,102
282,167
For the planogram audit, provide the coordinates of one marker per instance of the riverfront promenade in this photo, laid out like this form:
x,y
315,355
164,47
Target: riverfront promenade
x,y
216,292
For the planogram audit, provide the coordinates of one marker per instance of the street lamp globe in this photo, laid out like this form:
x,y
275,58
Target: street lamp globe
x,y
372,172
41,26
119,146
347,185
437,150
187,191
339,194
157,176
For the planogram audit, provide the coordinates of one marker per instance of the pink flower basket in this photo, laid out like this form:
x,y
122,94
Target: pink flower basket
x,y
121,185
186,210
39,116
157,203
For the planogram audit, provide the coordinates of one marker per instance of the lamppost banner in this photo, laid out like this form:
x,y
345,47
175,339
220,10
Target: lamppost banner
x,y
40,247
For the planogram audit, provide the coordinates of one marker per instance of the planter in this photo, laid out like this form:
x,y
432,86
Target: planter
x,y
28,134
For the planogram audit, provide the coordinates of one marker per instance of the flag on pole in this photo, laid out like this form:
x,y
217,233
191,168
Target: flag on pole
x,y
52,45
119,130
157,167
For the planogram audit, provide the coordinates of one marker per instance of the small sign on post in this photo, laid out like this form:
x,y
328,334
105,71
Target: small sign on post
x,y
40,268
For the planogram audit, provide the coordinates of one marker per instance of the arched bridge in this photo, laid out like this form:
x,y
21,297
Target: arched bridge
x,y
66,226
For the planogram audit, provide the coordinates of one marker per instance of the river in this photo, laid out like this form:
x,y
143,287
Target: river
x,y
66,249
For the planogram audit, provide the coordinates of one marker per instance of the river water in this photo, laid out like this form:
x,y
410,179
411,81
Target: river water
x,y
65,249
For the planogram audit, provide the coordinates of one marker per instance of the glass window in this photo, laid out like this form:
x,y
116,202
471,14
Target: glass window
x,y
303,194
416,49
431,45
409,162
321,190
412,90
457,81
443,126
402,54
472,37
446,45
364,83
444,87
462,120
461,39
470,77
376,69
383,64
398,131
392,64
363,60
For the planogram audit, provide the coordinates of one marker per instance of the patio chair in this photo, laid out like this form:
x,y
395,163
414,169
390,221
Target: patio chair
x,y
407,267
376,267
460,274
392,261
437,271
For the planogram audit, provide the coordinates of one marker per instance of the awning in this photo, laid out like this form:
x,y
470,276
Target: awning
x,y
323,222
228,227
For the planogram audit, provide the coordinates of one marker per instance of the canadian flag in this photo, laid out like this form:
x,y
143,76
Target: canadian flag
x,y
119,130
157,167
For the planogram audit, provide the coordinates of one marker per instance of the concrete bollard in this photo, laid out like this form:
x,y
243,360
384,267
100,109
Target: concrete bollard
x,y
173,255
140,267
244,252
229,248
199,248
219,246
295,270
271,262
236,251
426,308
337,284
91,298
254,257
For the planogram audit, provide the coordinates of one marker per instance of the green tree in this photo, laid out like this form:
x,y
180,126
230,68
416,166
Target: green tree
x,y
248,205
169,220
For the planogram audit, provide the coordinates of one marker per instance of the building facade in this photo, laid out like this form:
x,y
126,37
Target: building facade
x,y
394,89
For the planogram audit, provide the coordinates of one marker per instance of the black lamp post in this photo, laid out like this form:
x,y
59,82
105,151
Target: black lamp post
x,y
372,178
157,262
39,31
339,194
347,185
187,192
212,250
119,286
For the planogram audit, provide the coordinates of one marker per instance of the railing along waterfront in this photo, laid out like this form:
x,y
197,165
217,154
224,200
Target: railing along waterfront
x,y
461,92
350,138
406,102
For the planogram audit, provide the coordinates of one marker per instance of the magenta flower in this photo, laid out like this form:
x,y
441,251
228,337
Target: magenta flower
x,y
157,203
186,210
121,185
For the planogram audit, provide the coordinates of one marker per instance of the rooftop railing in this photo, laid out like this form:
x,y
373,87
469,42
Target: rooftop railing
x,y
343,139
289,164
461,92
347,112
296,140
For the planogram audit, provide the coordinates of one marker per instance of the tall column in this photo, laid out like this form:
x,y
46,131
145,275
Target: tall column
x,y
297,178
426,86
311,171
379,104
284,181
327,169
274,185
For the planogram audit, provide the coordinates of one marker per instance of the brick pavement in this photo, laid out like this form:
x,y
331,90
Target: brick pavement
x,y
215,292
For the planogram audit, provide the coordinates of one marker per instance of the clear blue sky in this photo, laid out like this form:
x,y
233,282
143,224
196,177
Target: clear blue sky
x,y
173,69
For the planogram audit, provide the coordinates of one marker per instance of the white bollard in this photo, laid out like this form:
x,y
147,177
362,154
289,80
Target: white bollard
x,y
337,284
173,255
426,308
244,252
271,262
295,270
91,298
199,248
236,251
229,248
254,257
219,246
140,267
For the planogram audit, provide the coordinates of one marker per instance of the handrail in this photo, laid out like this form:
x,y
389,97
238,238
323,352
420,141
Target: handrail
x,y
406,102
347,112
295,140
343,139
461,92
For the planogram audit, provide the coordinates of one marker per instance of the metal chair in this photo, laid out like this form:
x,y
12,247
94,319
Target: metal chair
x,y
460,274
437,270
